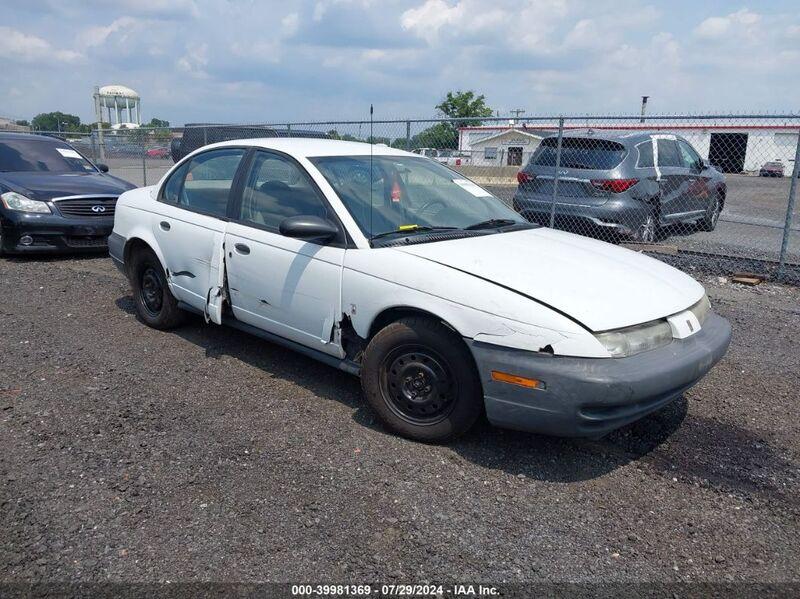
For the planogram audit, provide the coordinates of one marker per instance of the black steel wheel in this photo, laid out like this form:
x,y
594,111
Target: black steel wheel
x,y
421,379
151,291
155,304
418,385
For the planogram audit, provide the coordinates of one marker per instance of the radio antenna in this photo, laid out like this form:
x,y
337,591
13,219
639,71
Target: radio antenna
x,y
371,141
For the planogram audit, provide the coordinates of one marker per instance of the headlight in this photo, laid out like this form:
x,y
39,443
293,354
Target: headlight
x,y
701,309
16,201
622,343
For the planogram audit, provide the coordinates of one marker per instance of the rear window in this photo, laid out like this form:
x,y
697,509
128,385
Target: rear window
x,y
580,153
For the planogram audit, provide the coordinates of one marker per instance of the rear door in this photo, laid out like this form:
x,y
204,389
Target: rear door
x,y
698,189
190,223
286,286
672,175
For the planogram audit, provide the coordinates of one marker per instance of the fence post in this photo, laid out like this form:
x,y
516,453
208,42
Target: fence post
x,y
408,136
144,162
787,226
288,129
558,166
100,141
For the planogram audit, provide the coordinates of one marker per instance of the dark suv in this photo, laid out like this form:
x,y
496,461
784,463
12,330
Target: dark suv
x,y
629,184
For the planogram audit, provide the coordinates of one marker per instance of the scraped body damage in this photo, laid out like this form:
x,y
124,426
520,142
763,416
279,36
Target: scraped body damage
x,y
377,280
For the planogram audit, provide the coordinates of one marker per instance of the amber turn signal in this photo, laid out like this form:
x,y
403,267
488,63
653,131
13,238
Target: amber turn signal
x,y
513,379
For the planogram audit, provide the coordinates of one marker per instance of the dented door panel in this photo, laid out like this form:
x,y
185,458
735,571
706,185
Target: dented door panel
x,y
285,286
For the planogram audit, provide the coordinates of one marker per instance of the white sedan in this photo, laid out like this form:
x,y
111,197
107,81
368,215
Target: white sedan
x,y
393,267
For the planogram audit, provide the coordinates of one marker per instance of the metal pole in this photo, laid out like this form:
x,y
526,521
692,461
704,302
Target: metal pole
x,y
288,129
144,160
408,136
644,107
787,226
558,166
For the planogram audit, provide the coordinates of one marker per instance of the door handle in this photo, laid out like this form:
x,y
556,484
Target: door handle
x,y
242,248
164,225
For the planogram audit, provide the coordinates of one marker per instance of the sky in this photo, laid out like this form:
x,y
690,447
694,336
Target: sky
x,y
246,61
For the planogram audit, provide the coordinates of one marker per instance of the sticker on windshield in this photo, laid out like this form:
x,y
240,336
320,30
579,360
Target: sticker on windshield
x,y
469,186
69,153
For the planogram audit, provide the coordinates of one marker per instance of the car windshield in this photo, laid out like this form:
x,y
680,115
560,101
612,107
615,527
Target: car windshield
x,y
579,153
41,155
410,193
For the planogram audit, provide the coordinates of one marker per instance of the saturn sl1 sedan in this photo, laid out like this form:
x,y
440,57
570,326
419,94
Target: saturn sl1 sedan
x,y
393,267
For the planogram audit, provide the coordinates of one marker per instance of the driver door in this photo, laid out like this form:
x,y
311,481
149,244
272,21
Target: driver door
x,y
289,287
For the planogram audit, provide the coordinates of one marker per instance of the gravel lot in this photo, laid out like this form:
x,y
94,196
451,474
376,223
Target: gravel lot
x,y
205,454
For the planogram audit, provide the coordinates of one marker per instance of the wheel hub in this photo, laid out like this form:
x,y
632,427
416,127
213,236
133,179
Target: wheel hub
x,y
417,385
152,291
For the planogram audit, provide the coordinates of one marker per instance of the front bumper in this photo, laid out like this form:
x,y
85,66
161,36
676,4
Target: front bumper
x,y
53,233
622,214
590,397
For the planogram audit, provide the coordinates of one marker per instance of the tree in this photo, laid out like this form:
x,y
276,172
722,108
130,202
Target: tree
x,y
157,124
56,121
22,123
464,105
460,107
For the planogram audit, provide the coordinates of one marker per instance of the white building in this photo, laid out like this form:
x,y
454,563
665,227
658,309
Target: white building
x,y
735,145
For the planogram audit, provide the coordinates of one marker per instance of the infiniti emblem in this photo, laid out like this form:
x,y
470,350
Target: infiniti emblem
x,y
98,209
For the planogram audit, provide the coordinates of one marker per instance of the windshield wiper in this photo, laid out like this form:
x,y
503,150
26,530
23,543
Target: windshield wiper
x,y
411,229
492,223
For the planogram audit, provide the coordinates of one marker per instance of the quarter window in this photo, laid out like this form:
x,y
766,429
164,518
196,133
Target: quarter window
x,y
668,153
204,183
277,188
645,155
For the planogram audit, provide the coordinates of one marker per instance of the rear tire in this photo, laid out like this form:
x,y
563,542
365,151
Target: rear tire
x,y
711,218
155,304
648,229
421,379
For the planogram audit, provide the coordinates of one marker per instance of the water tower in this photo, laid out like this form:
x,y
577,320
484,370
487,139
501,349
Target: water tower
x,y
119,101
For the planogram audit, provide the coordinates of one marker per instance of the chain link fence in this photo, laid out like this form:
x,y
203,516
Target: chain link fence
x,y
707,193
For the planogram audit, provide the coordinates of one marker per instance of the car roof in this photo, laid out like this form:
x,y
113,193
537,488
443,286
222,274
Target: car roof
x,y
313,147
618,135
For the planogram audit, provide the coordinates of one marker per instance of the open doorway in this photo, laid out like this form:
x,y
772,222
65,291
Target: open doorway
x,y
514,156
727,151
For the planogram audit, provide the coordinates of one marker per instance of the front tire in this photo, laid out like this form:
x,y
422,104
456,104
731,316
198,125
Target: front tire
x,y
155,304
711,218
421,379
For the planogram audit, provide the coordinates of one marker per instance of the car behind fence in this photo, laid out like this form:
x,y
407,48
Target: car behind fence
x,y
711,192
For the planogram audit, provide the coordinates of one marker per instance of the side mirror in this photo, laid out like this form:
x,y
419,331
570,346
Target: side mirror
x,y
103,167
703,164
308,228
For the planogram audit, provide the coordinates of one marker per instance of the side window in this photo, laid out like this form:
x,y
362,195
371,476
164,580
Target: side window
x,y
668,153
689,157
276,189
204,183
645,159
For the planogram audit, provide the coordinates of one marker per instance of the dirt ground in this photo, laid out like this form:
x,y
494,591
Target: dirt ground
x,y
130,454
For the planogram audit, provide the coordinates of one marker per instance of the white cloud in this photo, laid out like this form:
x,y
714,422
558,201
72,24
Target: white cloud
x,y
97,36
194,61
19,46
741,21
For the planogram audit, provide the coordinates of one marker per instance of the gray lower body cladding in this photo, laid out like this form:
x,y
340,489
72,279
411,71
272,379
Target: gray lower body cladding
x,y
589,397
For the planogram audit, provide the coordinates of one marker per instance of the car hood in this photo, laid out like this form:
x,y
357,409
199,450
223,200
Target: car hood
x,y
602,286
45,186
